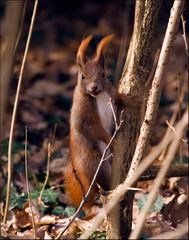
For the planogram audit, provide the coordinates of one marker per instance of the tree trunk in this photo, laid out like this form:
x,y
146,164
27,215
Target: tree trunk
x,y
11,28
132,82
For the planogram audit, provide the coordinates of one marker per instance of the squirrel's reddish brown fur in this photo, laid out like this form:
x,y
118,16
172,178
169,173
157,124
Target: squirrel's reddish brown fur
x,y
91,125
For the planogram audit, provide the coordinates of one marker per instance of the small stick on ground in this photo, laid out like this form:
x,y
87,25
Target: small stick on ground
x,y
27,184
49,151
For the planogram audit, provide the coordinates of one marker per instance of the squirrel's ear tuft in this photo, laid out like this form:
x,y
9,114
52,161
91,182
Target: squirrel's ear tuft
x,y
102,44
81,59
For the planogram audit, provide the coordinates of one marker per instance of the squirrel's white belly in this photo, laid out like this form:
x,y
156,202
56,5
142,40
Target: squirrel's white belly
x,y
104,111
105,114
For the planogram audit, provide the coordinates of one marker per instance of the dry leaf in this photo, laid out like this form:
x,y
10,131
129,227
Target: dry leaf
x,y
23,219
35,211
47,236
48,219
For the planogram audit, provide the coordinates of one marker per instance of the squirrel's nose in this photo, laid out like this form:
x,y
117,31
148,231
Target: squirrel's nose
x,y
94,87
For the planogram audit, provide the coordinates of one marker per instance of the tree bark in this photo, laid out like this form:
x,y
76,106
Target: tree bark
x,y
12,25
132,82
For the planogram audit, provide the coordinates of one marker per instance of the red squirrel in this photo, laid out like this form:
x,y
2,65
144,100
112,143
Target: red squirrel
x,y
91,124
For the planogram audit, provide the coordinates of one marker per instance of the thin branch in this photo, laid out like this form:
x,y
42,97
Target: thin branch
x,y
121,189
49,151
172,129
117,125
153,101
53,136
184,34
80,183
27,184
21,26
170,126
174,116
14,115
108,157
57,186
158,181
95,175
176,170
134,189
179,113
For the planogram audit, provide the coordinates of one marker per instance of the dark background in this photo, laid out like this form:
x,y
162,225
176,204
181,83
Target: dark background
x,y
51,73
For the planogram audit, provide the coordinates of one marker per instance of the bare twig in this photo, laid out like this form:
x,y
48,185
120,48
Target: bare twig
x,y
172,129
179,113
121,189
79,181
117,125
184,34
27,184
174,116
49,151
158,181
170,126
175,170
153,101
108,157
134,189
57,186
53,136
96,173
14,114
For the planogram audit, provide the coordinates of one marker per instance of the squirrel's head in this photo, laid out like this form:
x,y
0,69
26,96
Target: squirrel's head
x,y
91,72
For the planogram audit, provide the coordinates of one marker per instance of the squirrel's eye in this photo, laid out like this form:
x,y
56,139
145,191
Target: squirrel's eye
x,y
82,76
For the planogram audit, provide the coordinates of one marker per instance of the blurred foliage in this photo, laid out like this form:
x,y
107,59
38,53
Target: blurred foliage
x,y
69,211
156,207
49,197
16,147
